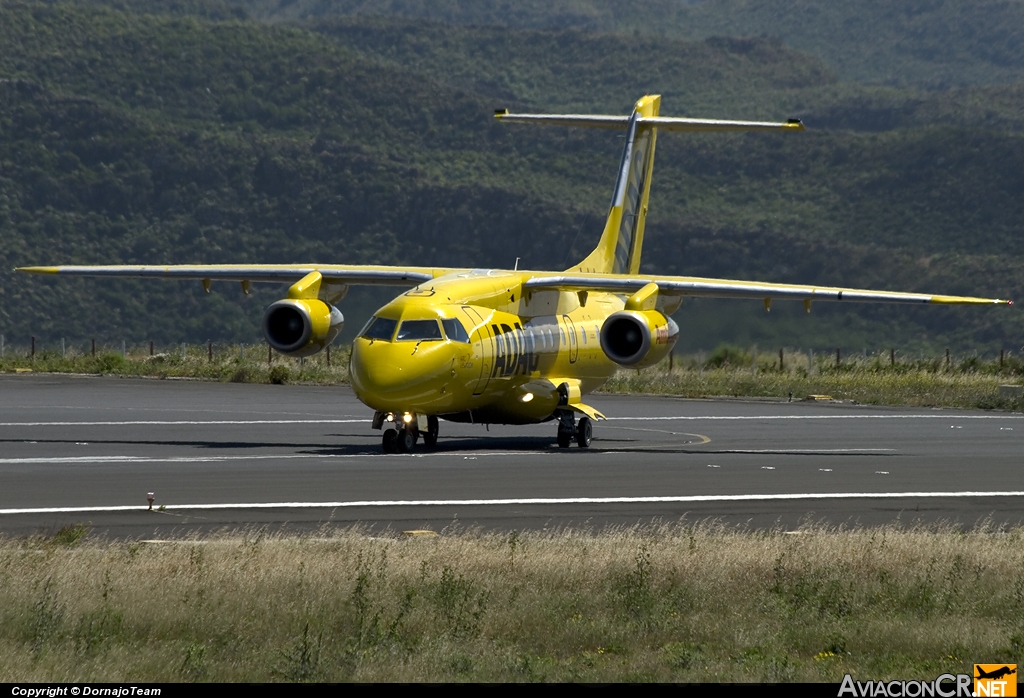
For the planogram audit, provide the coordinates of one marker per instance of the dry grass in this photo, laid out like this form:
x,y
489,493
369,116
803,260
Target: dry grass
x,y
669,603
229,363
963,382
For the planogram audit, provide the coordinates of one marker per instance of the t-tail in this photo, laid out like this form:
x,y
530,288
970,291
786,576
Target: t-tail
x,y
618,251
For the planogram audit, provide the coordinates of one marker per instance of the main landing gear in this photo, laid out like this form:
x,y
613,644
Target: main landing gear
x,y
403,430
568,430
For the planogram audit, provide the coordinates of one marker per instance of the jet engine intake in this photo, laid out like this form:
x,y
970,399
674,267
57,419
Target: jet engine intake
x,y
638,338
301,327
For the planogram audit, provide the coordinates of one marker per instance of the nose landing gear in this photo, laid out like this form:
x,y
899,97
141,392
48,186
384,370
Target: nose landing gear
x,y
402,431
568,430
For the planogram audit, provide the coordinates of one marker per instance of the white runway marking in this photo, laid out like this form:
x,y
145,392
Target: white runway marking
x,y
790,451
506,502
183,422
821,416
693,418
85,460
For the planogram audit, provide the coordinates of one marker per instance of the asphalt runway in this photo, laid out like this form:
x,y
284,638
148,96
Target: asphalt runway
x,y
78,449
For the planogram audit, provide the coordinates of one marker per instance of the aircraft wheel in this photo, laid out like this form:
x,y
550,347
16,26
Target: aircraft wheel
x,y
564,439
406,440
430,435
390,441
584,432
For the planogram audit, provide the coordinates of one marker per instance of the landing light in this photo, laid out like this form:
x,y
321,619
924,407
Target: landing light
x,y
406,417
527,397
391,417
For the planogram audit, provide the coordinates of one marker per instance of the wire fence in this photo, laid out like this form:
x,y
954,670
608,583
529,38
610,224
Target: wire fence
x,y
219,351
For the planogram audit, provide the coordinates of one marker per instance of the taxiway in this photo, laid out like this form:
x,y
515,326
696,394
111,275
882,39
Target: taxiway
x,y
76,449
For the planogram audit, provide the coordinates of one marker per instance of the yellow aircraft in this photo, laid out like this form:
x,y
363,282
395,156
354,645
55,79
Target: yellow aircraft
x,y
498,346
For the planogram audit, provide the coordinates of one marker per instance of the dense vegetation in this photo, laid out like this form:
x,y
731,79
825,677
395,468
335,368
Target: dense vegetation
x,y
139,132
933,43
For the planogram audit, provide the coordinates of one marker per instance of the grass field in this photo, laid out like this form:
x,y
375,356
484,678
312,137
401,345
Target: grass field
x,y
967,382
669,603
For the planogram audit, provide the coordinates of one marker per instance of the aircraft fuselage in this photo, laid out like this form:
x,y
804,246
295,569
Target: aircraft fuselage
x,y
519,350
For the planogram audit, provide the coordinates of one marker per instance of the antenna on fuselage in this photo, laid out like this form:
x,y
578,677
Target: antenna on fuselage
x,y
516,267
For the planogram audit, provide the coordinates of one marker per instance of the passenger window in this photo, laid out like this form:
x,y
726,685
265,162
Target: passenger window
x,y
418,330
380,328
455,331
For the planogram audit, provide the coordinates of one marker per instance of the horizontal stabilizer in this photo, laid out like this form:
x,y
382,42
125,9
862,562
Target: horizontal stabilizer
x,y
664,123
580,120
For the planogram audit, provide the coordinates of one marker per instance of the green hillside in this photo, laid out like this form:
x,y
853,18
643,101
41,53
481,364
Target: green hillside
x,y
924,43
202,136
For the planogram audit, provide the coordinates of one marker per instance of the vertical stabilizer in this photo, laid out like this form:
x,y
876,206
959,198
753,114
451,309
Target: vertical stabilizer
x,y
618,252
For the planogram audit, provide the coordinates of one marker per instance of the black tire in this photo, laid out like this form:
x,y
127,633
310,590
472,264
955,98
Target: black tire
x,y
564,439
430,435
406,440
584,432
390,441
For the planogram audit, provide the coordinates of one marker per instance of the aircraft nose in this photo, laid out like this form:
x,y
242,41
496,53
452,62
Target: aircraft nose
x,y
401,376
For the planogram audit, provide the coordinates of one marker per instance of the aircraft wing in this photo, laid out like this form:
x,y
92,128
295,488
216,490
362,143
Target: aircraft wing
x,y
728,288
354,275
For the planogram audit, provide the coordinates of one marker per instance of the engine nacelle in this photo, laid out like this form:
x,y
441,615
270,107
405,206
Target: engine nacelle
x,y
301,327
638,338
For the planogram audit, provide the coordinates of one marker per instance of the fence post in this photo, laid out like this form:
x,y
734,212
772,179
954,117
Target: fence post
x,y
270,354
892,357
33,354
209,351
947,358
1002,352
782,366
62,353
329,358
1,346
151,348
838,357
810,361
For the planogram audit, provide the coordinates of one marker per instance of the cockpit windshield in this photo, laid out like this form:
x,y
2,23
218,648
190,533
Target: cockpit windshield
x,y
455,330
380,328
418,330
